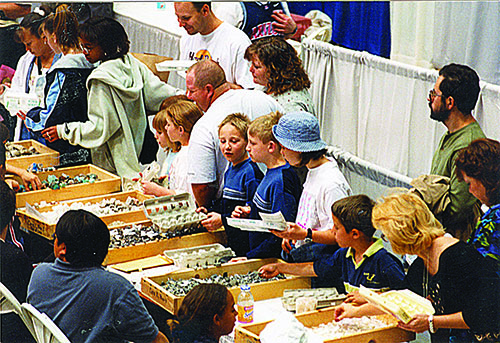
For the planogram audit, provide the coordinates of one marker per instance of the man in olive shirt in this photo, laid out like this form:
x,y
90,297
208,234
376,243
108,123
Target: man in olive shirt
x,y
451,101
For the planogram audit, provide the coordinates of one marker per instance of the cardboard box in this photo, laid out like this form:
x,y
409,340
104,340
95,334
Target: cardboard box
x,y
107,183
142,250
44,229
46,156
151,286
249,333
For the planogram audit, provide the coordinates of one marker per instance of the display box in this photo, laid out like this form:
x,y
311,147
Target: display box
x,y
249,333
34,224
143,250
106,183
151,286
47,157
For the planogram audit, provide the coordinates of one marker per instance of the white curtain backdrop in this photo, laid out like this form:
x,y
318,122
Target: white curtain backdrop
x,y
377,109
412,29
433,34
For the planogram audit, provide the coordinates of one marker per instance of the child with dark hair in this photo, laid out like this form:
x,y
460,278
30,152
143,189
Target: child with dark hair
x,y
121,91
65,91
87,302
206,313
361,259
15,266
311,235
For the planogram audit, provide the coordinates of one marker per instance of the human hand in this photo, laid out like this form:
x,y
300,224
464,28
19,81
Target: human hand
x,y
344,311
13,184
293,231
151,188
355,298
284,24
50,134
30,179
202,210
212,222
419,323
286,245
269,270
241,212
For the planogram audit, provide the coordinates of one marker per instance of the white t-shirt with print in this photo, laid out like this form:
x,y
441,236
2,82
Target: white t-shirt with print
x,y
324,185
225,45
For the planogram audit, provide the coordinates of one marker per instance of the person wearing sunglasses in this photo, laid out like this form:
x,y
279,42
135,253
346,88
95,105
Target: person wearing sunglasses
x,y
451,102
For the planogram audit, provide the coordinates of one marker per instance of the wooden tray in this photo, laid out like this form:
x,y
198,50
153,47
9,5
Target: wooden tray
x,y
249,333
142,250
107,183
47,156
151,286
46,230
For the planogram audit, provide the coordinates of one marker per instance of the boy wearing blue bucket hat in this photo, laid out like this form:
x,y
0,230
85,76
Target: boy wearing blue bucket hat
x,y
301,145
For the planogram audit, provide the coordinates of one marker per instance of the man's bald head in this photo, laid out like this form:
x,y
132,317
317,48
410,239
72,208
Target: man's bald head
x,y
207,72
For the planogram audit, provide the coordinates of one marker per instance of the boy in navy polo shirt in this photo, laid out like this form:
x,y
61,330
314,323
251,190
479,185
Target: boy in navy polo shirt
x,y
240,180
361,259
279,190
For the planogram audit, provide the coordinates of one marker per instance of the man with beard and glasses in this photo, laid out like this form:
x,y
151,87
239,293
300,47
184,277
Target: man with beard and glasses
x,y
451,101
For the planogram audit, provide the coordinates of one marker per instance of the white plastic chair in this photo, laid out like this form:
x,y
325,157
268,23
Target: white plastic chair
x,y
8,302
42,327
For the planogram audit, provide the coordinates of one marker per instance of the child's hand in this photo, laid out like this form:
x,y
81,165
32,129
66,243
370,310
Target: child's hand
x,y
286,245
212,222
202,210
293,231
30,179
151,188
344,311
241,212
355,298
13,184
269,270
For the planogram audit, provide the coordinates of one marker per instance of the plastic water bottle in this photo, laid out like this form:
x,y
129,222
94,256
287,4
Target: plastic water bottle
x,y
245,305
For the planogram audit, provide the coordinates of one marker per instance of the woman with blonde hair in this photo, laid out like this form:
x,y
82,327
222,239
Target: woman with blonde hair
x,y
463,288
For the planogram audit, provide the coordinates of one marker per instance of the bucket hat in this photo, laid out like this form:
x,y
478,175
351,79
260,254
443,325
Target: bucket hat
x,y
299,131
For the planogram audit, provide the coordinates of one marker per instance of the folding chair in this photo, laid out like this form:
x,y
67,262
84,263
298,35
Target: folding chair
x,y
42,327
8,302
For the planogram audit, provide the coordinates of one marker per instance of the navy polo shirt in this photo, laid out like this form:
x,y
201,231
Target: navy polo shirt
x,y
378,270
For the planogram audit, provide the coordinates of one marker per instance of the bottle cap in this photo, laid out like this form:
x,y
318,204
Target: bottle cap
x,y
245,288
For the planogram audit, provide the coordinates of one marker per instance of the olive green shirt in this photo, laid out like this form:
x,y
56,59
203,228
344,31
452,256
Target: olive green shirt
x,y
460,209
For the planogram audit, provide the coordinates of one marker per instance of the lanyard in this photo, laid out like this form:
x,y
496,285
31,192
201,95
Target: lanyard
x,y
30,69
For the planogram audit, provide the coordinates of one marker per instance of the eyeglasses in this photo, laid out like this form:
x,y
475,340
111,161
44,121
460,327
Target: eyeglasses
x,y
433,94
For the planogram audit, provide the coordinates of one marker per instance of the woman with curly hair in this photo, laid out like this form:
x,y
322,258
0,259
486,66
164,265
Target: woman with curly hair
x,y
206,313
276,66
479,166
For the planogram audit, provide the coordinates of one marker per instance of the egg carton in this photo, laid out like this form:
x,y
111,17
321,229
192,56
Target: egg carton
x,y
173,212
200,257
325,297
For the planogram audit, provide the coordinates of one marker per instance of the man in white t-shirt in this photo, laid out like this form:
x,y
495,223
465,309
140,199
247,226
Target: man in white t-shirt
x,y
211,38
206,85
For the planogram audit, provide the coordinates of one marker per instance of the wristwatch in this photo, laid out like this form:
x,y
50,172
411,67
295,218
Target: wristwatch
x,y
309,235
432,329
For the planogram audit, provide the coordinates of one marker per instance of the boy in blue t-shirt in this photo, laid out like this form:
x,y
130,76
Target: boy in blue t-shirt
x,y
279,190
361,259
240,180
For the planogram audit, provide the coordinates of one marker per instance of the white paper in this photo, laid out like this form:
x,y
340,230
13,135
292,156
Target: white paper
x,y
274,221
